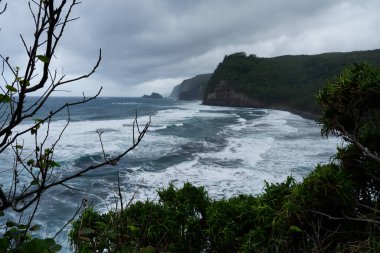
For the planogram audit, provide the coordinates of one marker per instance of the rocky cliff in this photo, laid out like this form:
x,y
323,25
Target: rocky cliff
x,y
224,95
284,82
153,95
192,88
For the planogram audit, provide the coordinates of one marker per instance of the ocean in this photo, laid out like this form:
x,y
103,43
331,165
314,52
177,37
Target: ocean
x,y
227,150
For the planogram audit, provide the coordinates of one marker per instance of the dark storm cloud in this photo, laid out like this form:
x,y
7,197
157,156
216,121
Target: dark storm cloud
x,y
154,44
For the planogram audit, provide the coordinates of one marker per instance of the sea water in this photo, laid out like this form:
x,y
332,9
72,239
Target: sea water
x,y
227,150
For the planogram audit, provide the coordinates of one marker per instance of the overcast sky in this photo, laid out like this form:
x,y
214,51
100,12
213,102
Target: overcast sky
x,y
152,45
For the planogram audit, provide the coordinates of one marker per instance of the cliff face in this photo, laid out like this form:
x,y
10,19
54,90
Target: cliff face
x,y
192,88
285,82
194,94
175,92
224,95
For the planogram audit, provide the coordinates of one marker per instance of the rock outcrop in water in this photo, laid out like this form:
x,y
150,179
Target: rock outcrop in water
x,y
191,89
284,82
153,95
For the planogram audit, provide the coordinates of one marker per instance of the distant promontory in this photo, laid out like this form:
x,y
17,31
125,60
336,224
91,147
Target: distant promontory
x,y
153,95
192,88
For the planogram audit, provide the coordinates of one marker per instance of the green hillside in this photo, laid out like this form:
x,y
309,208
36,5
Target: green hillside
x,y
289,82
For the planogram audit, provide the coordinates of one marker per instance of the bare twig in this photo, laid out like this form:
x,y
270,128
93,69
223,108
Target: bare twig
x,y
10,141
347,218
119,193
50,19
44,187
79,207
4,9
133,196
366,152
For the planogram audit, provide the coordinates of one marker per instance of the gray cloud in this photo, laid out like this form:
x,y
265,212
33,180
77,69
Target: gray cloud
x,y
151,44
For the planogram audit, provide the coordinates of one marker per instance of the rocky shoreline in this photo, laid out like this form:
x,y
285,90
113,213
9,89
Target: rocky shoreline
x,y
225,95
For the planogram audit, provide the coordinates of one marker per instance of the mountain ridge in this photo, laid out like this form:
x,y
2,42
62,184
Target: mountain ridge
x,y
287,82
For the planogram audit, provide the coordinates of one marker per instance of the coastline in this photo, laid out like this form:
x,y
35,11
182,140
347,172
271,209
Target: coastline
x,y
303,114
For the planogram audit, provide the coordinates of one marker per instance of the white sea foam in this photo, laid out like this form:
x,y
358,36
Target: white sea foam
x,y
269,149
220,182
250,146
155,146
258,148
156,128
248,151
126,103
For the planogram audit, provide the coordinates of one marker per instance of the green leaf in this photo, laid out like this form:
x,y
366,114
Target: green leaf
x,y
22,226
127,249
53,163
86,231
4,244
1,213
295,229
37,245
25,82
4,98
38,120
30,162
55,248
43,58
19,147
48,151
35,227
101,225
149,249
133,228
12,233
10,224
35,129
34,182
49,241
11,88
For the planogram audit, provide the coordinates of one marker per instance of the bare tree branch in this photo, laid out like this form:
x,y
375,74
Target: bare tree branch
x,y
46,118
79,207
43,187
50,19
347,218
4,9
366,152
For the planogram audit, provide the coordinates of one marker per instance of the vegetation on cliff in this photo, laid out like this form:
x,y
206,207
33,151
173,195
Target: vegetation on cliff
x,y
289,82
334,209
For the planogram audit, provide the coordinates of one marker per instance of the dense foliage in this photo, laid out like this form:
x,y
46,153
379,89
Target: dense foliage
x,y
283,218
334,209
288,82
